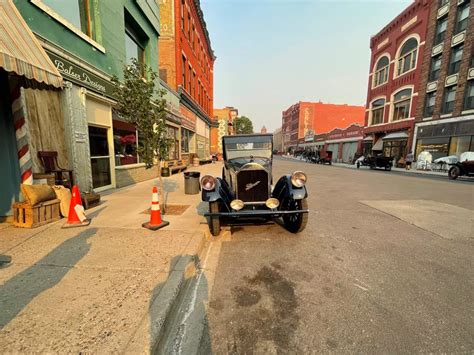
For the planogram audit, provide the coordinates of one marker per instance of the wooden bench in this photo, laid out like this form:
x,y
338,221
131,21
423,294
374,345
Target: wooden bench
x,y
176,166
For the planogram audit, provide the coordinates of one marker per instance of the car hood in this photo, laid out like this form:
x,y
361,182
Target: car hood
x,y
239,163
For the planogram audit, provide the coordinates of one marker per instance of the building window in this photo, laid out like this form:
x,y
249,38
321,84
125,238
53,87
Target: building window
x,y
407,58
134,48
441,26
469,101
401,105
430,103
190,79
459,145
189,24
435,68
183,69
377,111
381,71
192,37
125,143
76,12
455,60
173,152
186,137
462,17
443,2
395,149
194,84
449,98
182,14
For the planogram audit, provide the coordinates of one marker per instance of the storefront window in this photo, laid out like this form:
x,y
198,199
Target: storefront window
x,y
437,147
395,149
186,137
125,143
173,152
100,159
460,145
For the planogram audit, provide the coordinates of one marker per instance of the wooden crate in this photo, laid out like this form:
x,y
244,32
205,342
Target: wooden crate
x,y
27,216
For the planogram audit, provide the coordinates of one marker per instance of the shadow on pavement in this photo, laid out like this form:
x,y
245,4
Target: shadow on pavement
x,y
21,289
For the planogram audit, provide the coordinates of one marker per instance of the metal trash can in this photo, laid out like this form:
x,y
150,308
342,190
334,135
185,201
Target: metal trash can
x,y
191,182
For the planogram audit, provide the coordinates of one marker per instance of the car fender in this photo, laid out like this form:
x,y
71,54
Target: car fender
x,y
284,188
220,193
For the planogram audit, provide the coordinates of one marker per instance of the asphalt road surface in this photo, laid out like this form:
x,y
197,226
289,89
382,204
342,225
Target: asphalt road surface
x,y
385,265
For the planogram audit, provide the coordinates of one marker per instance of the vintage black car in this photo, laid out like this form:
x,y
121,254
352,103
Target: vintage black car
x,y
461,168
245,189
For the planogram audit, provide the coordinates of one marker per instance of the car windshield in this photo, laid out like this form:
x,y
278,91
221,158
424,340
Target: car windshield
x,y
244,147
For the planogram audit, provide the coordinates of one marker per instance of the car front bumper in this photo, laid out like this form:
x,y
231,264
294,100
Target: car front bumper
x,y
253,213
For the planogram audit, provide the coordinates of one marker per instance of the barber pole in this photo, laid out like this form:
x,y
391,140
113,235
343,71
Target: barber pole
x,y
21,133
155,214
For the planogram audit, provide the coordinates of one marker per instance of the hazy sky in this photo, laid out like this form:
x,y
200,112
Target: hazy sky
x,y
274,53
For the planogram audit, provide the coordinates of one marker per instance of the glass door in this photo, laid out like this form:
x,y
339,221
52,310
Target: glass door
x,y
100,157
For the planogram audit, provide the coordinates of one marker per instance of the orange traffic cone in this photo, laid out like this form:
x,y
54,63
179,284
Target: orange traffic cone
x,y
76,216
155,219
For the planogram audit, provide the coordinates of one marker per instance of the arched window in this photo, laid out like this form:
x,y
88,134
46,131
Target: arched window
x,y
401,104
377,111
381,71
407,57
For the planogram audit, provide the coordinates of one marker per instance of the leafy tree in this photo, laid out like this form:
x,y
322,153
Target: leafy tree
x,y
243,125
141,103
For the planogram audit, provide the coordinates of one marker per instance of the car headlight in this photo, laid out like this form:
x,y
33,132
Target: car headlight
x,y
208,182
237,205
298,179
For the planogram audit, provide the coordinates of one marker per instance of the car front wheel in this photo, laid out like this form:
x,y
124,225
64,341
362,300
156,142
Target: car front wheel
x,y
295,222
214,222
454,172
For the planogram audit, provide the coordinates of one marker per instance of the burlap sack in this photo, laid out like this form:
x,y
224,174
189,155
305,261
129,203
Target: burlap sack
x,y
64,195
35,194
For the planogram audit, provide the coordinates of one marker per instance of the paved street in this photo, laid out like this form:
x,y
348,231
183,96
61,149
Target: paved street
x,y
384,265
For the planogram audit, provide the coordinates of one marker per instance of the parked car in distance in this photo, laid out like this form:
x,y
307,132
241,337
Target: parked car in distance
x,y
372,162
463,167
244,191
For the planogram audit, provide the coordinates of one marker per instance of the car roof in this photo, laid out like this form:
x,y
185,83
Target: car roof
x,y
250,135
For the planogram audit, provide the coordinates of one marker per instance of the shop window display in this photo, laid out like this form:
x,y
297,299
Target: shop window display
x,y
125,145
396,149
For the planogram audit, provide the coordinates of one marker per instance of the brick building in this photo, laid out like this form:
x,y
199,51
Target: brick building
x,y
445,113
224,118
186,62
394,81
303,120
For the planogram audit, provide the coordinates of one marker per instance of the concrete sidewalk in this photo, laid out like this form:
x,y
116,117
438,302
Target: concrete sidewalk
x,y
107,287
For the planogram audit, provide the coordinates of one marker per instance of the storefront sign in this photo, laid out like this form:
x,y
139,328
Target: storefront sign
x,y
441,147
81,76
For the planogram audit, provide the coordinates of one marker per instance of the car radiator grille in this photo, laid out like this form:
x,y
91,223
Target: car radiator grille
x,y
248,190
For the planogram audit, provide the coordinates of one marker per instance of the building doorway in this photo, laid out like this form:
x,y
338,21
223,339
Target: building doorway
x,y
10,175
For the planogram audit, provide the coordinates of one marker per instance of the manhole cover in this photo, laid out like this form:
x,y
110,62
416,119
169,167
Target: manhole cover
x,y
172,210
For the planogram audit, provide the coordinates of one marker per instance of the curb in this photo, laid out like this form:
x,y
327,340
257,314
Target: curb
x,y
147,337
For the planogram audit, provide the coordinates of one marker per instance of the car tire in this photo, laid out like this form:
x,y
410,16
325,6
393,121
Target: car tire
x,y
454,173
295,223
388,168
358,165
214,222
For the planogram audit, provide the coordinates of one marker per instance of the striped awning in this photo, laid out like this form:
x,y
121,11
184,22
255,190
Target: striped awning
x,y
22,54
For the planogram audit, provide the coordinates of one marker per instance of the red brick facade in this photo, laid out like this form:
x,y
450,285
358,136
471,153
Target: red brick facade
x,y
185,53
306,118
401,45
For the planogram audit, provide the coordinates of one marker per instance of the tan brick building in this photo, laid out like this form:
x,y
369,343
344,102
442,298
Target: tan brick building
x,y
445,113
